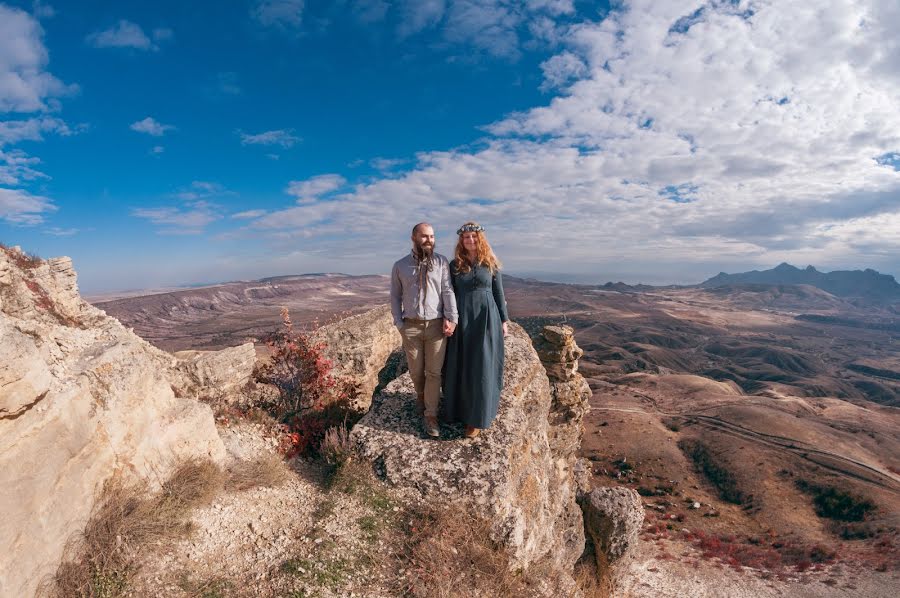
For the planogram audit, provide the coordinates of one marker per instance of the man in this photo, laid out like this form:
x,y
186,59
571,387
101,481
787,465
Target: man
x,y
424,309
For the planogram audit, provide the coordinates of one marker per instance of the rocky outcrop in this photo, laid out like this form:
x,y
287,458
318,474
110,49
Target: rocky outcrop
x,y
359,347
613,518
81,399
214,376
517,474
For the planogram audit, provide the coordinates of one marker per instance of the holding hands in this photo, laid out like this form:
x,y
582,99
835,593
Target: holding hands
x,y
449,327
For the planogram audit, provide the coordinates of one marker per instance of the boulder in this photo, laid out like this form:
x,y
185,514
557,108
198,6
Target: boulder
x,y
83,399
359,347
613,517
509,474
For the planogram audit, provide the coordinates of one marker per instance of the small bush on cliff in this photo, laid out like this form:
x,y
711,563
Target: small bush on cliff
x,y
311,401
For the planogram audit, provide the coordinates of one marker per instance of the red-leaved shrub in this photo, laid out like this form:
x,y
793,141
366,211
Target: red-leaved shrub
x,y
311,400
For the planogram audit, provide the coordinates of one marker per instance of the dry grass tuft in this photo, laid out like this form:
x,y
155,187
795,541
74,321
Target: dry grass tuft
x,y
100,562
23,260
450,553
335,447
267,471
588,580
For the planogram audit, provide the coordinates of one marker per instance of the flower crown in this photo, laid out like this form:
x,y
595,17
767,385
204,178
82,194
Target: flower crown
x,y
470,228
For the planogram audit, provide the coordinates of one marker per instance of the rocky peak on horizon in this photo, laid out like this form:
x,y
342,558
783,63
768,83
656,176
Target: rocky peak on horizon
x,y
868,283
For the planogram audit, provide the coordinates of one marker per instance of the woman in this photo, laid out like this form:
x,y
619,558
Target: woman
x,y
473,371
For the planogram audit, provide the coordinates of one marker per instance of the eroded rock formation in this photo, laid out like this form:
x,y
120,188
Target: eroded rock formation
x,y
359,347
517,474
81,398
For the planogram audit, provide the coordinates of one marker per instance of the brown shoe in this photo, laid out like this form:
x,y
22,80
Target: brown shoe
x,y
420,405
431,426
472,431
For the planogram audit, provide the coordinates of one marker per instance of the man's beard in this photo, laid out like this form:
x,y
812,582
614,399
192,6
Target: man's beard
x,y
424,251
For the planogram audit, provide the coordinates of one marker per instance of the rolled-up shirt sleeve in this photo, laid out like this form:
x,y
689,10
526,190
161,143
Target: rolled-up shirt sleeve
x,y
396,297
499,297
448,297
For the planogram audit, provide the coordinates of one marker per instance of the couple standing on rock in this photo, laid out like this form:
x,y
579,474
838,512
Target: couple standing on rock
x,y
452,317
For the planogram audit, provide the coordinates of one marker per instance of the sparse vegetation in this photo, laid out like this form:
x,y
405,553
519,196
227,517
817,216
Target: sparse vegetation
x,y
833,503
714,470
764,554
311,401
267,471
450,554
100,561
23,260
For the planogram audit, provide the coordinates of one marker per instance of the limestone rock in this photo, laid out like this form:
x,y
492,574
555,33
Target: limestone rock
x,y
359,347
509,473
83,398
214,375
612,519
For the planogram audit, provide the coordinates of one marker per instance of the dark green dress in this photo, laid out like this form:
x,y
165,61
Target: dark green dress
x,y
473,370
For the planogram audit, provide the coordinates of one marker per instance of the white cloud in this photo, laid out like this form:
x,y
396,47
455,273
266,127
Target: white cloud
x,y
151,126
33,129
749,133
497,28
157,150
25,86
16,167
61,232
22,208
180,221
562,69
126,34
279,13
199,190
385,164
248,214
283,137
420,14
311,189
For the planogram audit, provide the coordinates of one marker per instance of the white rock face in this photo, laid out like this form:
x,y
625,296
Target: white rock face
x,y
358,348
518,474
81,398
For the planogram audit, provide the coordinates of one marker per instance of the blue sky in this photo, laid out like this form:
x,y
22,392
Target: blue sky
x,y
171,143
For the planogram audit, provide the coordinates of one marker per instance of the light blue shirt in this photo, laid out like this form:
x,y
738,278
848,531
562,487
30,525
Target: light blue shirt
x,y
407,300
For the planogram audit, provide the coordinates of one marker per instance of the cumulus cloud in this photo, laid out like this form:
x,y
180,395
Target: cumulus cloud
x,y
25,85
126,34
279,13
20,207
744,133
151,126
313,188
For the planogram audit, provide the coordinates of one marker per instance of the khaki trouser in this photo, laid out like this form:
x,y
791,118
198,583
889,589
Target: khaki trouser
x,y
424,344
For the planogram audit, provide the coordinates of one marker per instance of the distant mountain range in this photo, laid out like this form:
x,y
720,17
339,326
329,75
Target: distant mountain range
x,y
842,283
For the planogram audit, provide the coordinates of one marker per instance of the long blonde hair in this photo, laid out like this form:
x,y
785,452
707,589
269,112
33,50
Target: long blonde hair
x,y
484,255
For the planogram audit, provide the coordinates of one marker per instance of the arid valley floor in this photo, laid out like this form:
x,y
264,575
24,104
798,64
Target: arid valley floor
x,y
760,424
